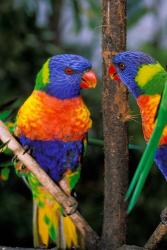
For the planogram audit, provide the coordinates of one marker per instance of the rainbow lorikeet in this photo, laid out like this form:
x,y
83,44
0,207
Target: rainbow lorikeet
x,y
53,123
146,79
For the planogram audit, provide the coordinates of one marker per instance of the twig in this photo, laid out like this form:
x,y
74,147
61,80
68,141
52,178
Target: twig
x,y
66,201
96,142
159,233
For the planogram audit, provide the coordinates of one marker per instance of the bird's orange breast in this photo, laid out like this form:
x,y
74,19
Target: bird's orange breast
x,y
148,108
43,117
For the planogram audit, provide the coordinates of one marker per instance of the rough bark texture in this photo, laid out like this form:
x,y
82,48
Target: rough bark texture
x,y
156,237
115,115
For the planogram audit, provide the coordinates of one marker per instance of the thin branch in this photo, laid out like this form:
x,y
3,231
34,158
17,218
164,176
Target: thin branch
x,y
159,233
66,201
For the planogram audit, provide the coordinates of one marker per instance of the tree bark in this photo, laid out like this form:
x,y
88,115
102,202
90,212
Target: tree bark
x,y
115,115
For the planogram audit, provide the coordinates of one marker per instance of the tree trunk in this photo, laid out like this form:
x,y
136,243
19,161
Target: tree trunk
x,y
115,115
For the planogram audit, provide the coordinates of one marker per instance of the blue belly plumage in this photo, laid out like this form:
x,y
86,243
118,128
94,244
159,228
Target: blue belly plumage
x,y
55,157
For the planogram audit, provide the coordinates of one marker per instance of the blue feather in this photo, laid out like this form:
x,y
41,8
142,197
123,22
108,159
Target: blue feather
x,y
55,157
62,85
161,159
132,61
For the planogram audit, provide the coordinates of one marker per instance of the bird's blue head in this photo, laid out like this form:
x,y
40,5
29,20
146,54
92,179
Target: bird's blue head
x,y
64,75
135,69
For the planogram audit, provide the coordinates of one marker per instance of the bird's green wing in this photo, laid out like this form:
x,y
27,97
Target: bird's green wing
x,y
147,159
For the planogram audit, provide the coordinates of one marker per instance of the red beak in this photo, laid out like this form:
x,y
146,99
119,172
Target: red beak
x,y
113,73
88,80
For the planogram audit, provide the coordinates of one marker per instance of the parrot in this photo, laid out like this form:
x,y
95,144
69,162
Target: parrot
x,y
146,79
52,125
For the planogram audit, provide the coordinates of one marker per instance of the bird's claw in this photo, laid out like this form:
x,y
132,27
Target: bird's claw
x,y
21,168
71,207
26,149
71,204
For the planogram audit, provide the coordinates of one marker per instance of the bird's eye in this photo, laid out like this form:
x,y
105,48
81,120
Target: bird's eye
x,y
121,66
69,71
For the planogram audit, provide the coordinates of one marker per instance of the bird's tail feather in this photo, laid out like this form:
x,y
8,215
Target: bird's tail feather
x,y
50,225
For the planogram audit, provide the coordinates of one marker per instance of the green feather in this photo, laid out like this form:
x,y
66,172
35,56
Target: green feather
x,y
47,220
145,164
74,178
156,84
52,232
39,82
42,78
40,203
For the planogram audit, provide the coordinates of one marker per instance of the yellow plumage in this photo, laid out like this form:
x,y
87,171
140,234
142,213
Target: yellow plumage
x,y
45,72
50,224
42,226
146,73
70,232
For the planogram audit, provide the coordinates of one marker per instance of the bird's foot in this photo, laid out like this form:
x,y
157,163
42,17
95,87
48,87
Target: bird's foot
x,y
21,168
63,183
71,207
27,149
72,204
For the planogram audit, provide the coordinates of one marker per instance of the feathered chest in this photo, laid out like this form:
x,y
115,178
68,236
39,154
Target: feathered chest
x,y
43,117
148,108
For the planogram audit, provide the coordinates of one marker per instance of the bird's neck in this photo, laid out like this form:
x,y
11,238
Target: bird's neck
x,y
146,73
62,92
150,79
148,105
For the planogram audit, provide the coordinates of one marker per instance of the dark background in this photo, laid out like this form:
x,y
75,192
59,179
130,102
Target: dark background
x,y
30,32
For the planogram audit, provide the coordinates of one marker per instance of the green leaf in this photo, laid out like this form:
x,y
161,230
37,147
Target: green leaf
x,y
6,164
5,114
5,174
